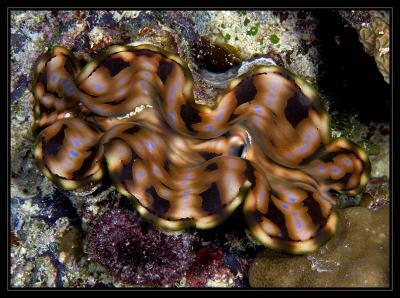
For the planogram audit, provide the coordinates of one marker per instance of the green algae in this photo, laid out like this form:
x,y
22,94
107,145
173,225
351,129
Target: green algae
x,y
274,38
253,30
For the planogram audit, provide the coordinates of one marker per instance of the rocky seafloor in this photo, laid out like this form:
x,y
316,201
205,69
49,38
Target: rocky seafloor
x,y
93,238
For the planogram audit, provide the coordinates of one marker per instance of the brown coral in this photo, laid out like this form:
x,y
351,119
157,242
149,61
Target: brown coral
x,y
375,40
343,262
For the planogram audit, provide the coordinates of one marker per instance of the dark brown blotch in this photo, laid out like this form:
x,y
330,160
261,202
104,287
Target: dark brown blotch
x,y
44,109
227,134
314,210
344,180
52,147
146,53
313,156
246,91
167,164
115,65
86,165
249,173
159,205
233,117
116,102
329,156
278,218
189,116
42,78
208,155
211,202
132,130
212,167
164,69
70,67
126,173
257,215
296,109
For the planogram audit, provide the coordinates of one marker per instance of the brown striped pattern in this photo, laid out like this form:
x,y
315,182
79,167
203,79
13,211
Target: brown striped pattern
x,y
264,142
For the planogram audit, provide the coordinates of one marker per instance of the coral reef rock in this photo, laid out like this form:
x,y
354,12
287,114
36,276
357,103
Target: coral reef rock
x,y
358,256
376,194
375,40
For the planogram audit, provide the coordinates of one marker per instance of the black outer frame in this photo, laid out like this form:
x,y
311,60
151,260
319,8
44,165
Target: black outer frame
x,y
342,4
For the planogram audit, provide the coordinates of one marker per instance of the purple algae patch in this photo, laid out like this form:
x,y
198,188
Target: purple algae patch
x,y
136,252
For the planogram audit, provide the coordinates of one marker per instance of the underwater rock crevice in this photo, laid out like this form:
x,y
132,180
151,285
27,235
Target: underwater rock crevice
x,y
348,75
